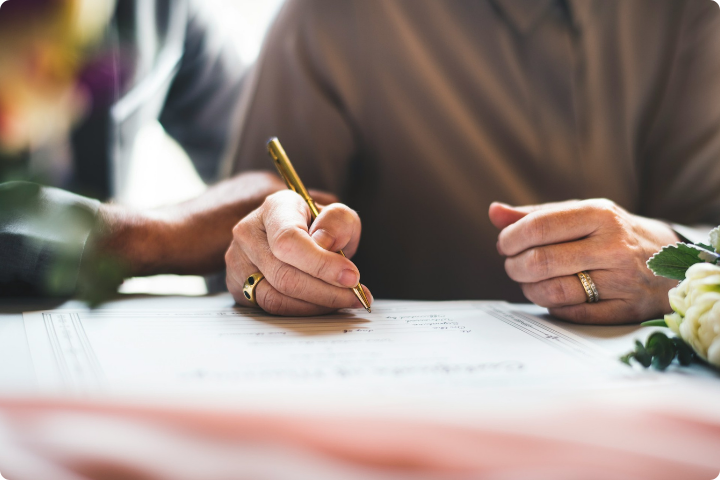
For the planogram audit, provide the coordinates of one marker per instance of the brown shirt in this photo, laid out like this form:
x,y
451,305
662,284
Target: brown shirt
x,y
419,113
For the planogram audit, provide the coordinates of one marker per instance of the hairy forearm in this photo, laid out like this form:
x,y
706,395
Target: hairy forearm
x,y
189,238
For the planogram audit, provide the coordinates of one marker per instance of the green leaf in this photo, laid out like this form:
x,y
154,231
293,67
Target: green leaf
x,y
642,355
626,358
705,246
662,350
655,323
685,354
674,260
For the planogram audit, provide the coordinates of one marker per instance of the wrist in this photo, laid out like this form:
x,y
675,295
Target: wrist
x,y
137,241
660,232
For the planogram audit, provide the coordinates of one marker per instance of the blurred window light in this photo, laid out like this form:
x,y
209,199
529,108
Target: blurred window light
x,y
160,172
246,21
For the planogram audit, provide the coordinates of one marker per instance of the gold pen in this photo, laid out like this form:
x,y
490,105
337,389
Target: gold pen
x,y
287,172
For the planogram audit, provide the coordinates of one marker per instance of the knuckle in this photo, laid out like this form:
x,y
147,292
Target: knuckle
x,y
530,292
336,300
284,242
557,293
607,210
239,231
287,280
229,256
321,266
537,229
511,269
276,198
341,217
272,302
539,262
602,204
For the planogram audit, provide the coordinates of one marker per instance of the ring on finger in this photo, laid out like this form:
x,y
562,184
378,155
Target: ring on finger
x,y
250,284
591,290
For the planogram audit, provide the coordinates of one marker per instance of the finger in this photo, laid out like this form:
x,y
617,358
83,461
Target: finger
x,y
612,312
250,253
337,228
503,215
294,283
323,198
274,302
568,290
239,268
545,227
542,263
286,220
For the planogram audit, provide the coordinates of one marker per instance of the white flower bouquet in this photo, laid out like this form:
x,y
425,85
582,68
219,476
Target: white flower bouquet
x,y
695,303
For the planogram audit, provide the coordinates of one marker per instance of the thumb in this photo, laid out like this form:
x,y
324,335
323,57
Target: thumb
x,y
503,215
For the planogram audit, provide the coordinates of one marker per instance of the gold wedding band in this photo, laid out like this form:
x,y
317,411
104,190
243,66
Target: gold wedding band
x,y
590,289
249,287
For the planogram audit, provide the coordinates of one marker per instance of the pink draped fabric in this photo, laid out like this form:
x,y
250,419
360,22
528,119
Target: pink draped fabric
x,y
103,441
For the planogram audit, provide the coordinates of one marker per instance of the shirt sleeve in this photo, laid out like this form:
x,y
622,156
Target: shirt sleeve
x,y
43,233
204,94
303,90
681,161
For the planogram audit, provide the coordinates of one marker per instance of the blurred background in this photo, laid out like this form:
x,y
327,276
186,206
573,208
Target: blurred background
x,y
160,172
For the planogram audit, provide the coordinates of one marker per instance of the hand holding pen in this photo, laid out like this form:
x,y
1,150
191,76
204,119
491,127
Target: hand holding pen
x,y
296,257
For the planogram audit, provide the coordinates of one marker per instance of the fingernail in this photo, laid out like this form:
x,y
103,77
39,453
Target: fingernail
x,y
348,278
324,239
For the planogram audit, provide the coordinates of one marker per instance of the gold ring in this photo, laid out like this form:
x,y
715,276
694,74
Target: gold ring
x,y
590,289
249,287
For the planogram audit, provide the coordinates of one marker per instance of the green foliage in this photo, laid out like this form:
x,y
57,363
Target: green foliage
x,y
685,354
674,260
60,230
659,352
705,246
100,276
655,323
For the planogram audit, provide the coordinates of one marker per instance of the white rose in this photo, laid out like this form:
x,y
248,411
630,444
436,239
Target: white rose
x,y
696,301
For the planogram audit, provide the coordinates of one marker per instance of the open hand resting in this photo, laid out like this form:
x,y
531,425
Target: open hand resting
x,y
547,245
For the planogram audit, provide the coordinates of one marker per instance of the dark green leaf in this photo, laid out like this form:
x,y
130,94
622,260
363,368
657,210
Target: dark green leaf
x,y
674,260
655,323
685,354
642,355
662,350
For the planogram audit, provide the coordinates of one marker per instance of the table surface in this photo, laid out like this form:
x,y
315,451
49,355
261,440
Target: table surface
x,y
635,421
17,373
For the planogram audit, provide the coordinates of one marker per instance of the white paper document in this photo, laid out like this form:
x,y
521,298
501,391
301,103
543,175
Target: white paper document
x,y
407,345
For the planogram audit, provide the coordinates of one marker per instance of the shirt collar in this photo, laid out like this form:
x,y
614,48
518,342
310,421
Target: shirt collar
x,y
526,14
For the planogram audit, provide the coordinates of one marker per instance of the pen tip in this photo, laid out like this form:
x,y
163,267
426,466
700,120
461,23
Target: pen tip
x,y
369,310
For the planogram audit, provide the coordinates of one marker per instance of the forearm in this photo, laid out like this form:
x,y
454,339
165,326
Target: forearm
x,y
189,238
